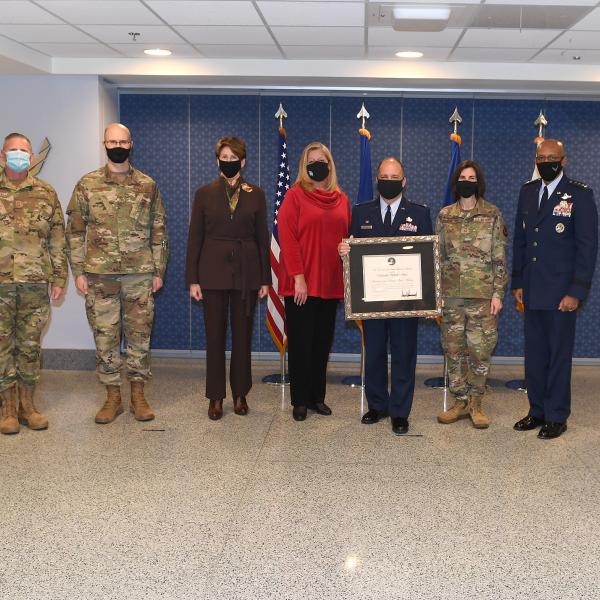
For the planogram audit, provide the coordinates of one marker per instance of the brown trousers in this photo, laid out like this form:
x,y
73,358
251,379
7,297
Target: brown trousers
x,y
218,305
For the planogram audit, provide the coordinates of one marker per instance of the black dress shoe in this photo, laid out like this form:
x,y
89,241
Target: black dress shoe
x,y
299,412
552,430
320,408
372,416
399,425
528,423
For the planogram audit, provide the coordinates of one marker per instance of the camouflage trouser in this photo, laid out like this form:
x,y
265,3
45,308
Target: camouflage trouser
x,y
118,303
469,336
24,312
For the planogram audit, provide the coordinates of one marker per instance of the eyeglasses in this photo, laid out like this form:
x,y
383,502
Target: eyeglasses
x,y
115,143
548,158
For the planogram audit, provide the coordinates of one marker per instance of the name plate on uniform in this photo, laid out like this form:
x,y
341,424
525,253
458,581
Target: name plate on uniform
x,y
392,277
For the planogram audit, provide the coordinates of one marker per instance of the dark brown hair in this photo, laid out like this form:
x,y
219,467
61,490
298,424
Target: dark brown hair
x,y
465,164
237,145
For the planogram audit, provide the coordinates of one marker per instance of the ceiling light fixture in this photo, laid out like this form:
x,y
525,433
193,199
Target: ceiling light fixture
x,y
409,54
158,52
420,19
576,57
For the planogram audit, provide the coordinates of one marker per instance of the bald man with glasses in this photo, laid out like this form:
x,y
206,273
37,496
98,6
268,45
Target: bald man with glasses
x,y
554,257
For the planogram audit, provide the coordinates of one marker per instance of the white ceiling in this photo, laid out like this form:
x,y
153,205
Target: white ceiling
x,y
87,36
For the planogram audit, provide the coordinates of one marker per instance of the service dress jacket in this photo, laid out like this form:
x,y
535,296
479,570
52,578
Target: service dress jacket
x,y
228,251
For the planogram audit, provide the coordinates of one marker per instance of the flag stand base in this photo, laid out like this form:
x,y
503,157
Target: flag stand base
x,y
354,381
275,379
516,384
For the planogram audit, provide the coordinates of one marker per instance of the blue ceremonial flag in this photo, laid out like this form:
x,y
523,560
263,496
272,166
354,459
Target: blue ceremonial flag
x,y
365,186
454,162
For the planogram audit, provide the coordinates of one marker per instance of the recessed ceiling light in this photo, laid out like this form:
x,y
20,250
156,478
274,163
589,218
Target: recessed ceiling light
x,y
409,54
158,52
576,57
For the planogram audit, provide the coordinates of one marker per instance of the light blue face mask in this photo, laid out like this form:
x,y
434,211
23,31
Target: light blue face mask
x,y
17,160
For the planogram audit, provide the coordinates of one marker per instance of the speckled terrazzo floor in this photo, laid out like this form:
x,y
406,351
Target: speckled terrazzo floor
x,y
262,507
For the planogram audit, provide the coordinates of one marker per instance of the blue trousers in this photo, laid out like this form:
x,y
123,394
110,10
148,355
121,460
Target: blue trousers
x,y
549,342
402,336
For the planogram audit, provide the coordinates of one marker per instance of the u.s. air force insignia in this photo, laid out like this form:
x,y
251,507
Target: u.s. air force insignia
x,y
246,187
559,227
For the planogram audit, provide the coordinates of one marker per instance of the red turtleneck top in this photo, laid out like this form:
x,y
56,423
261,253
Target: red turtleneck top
x,y
311,225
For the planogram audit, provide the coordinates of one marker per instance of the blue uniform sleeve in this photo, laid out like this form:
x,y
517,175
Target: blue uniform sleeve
x,y
355,224
519,246
586,245
426,227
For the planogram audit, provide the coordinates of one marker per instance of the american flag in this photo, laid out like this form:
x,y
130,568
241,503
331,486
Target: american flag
x,y
275,308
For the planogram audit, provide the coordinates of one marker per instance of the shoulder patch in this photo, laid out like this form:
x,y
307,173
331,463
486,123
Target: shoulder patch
x,y
418,204
579,184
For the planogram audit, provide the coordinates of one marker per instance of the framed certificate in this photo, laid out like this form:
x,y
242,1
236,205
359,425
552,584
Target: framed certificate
x,y
392,277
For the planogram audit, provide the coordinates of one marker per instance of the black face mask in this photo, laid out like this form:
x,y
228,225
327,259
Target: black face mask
x,y
318,171
118,155
389,188
466,189
550,170
230,168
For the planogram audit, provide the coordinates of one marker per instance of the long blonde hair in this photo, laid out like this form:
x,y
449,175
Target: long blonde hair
x,y
305,182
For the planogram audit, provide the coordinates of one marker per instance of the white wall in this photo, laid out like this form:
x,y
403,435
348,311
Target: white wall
x,y
71,111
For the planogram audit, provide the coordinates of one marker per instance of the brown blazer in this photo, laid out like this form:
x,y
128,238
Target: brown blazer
x,y
228,251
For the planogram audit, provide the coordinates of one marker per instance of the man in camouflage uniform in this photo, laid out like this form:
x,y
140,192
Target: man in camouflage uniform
x,y
32,255
118,249
474,279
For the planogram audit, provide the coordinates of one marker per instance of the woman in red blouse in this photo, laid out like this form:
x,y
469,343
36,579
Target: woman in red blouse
x,y
313,218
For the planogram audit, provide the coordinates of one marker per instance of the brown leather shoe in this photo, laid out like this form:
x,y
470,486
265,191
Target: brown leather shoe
x,y
240,406
28,413
112,407
139,406
215,410
9,423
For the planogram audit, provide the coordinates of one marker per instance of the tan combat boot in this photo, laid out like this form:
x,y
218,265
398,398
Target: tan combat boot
x,y
9,422
459,410
112,407
28,413
139,407
478,417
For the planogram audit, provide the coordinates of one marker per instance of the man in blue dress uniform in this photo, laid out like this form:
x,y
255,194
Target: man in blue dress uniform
x,y
554,256
390,215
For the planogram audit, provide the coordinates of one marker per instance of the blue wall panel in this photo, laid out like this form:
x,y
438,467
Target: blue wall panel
x,y
175,137
159,126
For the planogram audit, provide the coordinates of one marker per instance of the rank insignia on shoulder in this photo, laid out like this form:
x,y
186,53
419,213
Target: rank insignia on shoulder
x,y
246,187
579,184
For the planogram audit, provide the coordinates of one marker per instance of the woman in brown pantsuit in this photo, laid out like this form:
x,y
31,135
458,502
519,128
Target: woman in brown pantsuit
x,y
228,268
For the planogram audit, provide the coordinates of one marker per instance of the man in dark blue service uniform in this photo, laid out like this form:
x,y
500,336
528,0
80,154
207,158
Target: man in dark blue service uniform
x,y
390,215
554,256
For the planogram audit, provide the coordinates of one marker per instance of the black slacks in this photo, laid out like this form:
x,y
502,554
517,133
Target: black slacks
x,y
218,305
310,330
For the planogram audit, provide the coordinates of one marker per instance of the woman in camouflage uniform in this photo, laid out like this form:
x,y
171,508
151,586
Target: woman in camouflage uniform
x,y
474,279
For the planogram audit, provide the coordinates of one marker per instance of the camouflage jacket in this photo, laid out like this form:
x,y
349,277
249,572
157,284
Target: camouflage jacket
x,y
32,233
473,251
117,225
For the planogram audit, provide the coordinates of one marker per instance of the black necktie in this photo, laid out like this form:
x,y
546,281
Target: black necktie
x,y
387,221
544,199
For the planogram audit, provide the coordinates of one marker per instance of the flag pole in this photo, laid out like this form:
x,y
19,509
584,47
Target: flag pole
x,y
276,322
365,187
541,123
441,383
